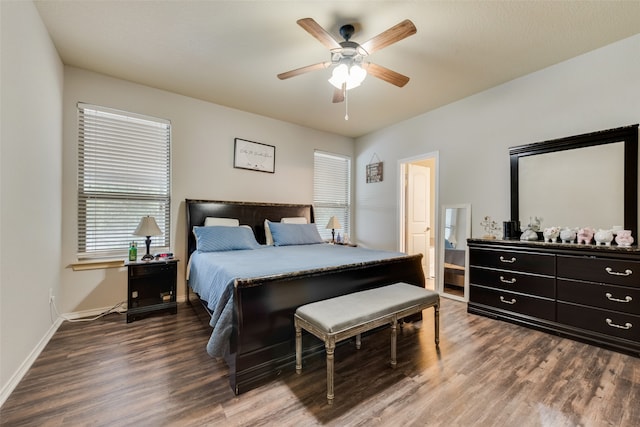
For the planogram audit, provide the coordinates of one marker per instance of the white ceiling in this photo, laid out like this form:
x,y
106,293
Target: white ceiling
x,y
229,52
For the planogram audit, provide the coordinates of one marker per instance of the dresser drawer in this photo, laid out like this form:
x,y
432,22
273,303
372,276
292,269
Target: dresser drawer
x,y
513,260
610,297
517,303
600,270
606,322
543,286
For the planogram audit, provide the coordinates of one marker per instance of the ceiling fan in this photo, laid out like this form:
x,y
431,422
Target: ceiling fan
x,y
348,57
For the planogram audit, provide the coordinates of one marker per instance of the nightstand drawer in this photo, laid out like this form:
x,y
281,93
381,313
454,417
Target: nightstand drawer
x,y
543,286
606,322
152,269
610,297
513,260
517,303
600,270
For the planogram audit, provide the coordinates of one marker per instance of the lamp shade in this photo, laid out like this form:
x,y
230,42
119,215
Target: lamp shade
x,y
333,223
147,227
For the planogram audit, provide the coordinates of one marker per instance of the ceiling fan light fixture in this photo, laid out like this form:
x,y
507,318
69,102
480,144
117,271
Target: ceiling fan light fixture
x,y
353,76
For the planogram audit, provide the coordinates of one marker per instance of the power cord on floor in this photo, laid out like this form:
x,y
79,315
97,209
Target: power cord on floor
x,y
113,309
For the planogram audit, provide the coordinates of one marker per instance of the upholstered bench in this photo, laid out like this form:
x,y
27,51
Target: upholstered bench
x,y
343,317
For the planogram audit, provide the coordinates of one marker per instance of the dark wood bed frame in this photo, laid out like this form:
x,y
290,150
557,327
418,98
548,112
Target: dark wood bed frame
x,y
263,337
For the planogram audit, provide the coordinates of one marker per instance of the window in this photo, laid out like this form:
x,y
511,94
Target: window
x,y
123,175
331,192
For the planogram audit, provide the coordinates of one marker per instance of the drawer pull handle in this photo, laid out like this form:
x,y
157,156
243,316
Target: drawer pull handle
x,y
613,325
510,261
617,273
611,298
513,300
510,281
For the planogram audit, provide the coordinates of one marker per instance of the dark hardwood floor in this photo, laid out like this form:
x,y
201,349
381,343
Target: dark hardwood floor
x,y
487,373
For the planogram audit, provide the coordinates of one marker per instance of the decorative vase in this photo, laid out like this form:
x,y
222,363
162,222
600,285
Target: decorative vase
x,y
603,237
623,238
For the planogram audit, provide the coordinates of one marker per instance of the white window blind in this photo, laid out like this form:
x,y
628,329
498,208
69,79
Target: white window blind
x,y
123,175
331,192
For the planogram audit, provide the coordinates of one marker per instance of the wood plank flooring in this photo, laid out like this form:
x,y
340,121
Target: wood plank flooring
x,y
155,372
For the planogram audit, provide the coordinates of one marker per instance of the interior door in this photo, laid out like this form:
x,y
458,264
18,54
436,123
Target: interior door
x,y
418,214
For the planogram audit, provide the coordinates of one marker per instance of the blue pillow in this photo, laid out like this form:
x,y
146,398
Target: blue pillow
x,y
221,238
294,234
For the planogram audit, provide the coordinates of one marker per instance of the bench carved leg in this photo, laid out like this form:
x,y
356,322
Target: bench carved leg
x,y
298,348
330,345
394,334
436,321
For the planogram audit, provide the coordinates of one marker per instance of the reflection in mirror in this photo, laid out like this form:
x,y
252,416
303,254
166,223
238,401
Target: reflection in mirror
x,y
550,182
455,222
577,181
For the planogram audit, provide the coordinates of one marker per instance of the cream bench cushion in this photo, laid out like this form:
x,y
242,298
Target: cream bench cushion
x,y
342,317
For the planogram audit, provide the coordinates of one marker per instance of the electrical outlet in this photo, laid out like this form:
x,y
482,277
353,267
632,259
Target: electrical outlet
x,y
51,295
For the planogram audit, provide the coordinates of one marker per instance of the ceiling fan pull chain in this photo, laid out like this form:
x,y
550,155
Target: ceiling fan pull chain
x,y
346,104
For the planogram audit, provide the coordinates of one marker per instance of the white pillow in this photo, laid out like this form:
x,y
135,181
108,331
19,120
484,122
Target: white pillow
x,y
267,233
226,222
294,220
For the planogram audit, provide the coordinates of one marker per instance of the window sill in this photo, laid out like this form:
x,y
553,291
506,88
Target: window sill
x,y
96,264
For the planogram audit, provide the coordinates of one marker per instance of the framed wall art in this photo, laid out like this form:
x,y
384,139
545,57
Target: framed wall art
x,y
374,170
254,156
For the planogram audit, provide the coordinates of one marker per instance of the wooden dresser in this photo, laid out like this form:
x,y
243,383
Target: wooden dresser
x,y
587,292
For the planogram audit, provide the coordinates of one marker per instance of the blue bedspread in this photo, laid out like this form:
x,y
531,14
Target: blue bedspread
x,y
212,275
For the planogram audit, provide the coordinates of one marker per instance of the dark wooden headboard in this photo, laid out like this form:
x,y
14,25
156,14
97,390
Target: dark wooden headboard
x,y
248,213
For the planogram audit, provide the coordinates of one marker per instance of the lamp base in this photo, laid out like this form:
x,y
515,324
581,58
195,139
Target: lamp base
x,y
147,256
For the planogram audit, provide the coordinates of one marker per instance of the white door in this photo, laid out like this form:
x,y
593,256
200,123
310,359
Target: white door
x,y
418,213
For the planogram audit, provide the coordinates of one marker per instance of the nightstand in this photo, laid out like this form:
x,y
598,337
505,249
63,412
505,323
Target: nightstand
x,y
151,287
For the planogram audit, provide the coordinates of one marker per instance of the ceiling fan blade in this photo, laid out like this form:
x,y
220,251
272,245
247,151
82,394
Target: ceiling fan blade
x,y
392,35
313,28
338,94
386,74
302,70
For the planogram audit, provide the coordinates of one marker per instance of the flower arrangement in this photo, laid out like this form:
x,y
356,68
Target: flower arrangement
x,y
491,228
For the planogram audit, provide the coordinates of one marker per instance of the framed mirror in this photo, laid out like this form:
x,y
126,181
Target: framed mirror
x,y
455,229
578,181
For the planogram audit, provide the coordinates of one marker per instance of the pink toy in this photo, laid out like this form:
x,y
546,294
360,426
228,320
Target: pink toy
x,y
623,238
585,235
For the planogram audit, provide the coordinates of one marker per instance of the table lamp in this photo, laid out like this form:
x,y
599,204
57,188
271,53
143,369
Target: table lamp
x,y
147,228
333,224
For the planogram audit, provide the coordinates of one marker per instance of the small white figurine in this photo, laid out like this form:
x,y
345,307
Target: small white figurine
x,y
530,232
603,237
568,235
551,234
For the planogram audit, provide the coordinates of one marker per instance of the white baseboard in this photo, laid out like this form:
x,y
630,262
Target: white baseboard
x,y
24,367
8,388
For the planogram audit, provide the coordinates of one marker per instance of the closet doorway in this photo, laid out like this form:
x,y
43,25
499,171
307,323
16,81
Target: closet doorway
x,y
418,201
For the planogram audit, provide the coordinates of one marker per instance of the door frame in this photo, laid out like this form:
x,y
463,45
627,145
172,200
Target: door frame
x,y
435,212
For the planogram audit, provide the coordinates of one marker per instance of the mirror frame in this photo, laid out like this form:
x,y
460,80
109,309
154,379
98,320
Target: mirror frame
x,y
627,134
440,284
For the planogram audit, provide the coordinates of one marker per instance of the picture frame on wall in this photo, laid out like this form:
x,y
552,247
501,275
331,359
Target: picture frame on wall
x,y
374,172
254,156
